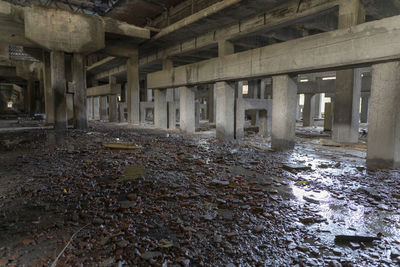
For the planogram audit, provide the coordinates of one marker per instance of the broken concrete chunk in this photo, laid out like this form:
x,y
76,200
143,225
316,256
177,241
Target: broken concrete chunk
x,y
295,168
220,182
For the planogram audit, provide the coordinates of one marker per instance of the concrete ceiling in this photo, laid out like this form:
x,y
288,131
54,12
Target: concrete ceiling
x,y
140,12
92,7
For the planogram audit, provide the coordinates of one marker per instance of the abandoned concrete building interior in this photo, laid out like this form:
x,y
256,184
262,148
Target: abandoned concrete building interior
x,y
200,133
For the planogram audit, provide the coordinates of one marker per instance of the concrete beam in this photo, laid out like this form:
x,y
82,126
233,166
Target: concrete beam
x,y
102,90
204,13
122,28
279,17
338,49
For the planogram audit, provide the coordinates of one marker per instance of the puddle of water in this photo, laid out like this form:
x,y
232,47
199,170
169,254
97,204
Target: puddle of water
x,y
348,218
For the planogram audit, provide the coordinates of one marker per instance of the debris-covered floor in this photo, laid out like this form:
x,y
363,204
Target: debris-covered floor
x,y
173,200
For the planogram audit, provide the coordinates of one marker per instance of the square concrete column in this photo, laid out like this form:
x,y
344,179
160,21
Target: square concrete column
x,y
309,110
96,108
317,106
89,106
30,97
284,91
364,109
197,114
240,111
225,124
347,106
211,104
160,109
384,118
79,79
121,110
348,82
112,102
132,90
70,108
149,95
58,84
170,94
48,91
187,107
171,115
265,123
103,108
253,93
113,108
328,117
298,109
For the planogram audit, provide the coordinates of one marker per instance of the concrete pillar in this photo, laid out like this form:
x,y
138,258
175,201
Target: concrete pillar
x,y
58,84
263,88
112,102
263,125
30,97
309,110
160,109
171,115
48,90
211,104
149,95
132,91
348,82
225,99
298,109
225,123
240,112
187,106
121,109
347,106
364,108
89,106
384,118
79,79
328,117
170,95
253,93
113,108
103,108
197,114
96,108
284,91
70,108
317,106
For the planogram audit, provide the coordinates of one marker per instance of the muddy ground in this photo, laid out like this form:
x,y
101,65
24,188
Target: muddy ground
x,y
175,200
